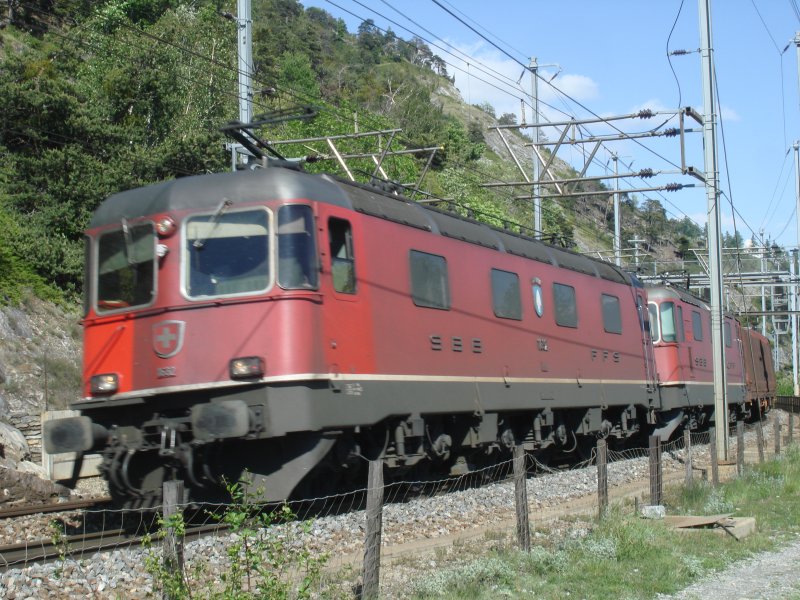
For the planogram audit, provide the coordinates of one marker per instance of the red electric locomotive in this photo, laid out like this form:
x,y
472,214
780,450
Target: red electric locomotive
x,y
289,325
682,345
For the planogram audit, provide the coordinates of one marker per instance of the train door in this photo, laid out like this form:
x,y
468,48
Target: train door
x,y
346,319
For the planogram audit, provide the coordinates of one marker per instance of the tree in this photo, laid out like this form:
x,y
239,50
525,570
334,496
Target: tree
x,y
507,119
486,107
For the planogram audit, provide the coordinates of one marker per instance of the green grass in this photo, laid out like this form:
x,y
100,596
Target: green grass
x,y
624,556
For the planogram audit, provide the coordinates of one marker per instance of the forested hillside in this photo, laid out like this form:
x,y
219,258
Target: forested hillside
x,y
102,96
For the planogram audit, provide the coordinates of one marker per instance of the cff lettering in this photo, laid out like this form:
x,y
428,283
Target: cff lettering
x,y
605,356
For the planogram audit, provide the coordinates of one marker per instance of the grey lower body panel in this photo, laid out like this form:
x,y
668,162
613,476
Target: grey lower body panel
x,y
318,405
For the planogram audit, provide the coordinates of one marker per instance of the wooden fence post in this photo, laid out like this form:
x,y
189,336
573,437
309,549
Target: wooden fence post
x,y
687,455
791,429
760,440
521,499
173,543
602,478
712,448
372,543
739,447
656,490
777,428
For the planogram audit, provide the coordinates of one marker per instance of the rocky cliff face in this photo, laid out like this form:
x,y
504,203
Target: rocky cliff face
x,y
39,370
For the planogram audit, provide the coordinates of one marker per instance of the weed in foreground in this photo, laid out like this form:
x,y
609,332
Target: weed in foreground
x,y
263,559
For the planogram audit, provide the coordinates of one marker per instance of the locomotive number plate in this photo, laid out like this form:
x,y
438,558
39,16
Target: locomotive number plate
x,y
164,372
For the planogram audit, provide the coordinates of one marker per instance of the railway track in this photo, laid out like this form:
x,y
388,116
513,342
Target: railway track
x,y
83,545
34,509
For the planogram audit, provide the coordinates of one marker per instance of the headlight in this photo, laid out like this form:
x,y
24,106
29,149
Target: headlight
x,y
107,383
246,367
165,226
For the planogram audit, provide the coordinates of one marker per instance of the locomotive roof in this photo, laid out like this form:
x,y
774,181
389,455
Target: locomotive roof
x,y
278,183
664,292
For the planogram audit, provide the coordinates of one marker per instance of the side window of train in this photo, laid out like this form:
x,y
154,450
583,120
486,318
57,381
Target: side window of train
x,y
430,287
679,324
726,330
612,317
697,326
297,253
343,270
565,307
505,295
655,330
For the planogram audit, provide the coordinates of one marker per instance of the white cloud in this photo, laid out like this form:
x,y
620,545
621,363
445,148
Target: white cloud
x,y
579,87
490,76
729,114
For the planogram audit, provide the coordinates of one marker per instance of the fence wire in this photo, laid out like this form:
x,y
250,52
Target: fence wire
x,y
318,546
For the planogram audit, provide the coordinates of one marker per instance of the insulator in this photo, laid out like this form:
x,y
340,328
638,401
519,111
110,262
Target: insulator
x,y
645,114
671,132
673,187
679,52
644,173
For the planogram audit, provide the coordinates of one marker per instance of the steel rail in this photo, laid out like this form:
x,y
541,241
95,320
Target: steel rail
x,y
80,545
49,507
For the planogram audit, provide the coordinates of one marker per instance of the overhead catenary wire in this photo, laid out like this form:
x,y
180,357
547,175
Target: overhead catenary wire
x,y
494,71
470,75
203,57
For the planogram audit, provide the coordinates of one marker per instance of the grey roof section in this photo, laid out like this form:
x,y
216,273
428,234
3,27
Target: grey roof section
x,y
662,292
278,183
208,191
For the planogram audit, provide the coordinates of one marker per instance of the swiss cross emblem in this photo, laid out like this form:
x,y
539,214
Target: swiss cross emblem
x,y
168,338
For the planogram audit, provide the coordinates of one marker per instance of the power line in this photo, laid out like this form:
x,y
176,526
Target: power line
x,y
669,58
486,30
225,67
473,60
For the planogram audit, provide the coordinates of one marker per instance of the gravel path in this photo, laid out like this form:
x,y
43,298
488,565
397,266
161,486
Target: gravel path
x,y
765,576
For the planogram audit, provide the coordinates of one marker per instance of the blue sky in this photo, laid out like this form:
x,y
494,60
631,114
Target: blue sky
x,y
612,59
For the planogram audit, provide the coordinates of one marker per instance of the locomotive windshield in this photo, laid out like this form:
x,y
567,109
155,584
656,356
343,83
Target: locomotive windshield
x,y
227,253
126,267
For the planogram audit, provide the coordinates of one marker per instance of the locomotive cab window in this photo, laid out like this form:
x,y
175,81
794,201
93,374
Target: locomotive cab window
x,y
343,271
227,253
297,254
612,317
697,326
655,328
126,267
505,295
669,332
430,287
564,305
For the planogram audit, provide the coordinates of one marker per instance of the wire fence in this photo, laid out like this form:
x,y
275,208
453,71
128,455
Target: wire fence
x,y
369,542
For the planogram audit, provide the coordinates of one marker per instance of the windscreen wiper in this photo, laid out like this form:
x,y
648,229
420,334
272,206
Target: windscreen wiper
x,y
199,243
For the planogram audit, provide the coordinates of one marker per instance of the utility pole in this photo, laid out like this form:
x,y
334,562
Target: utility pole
x,y
763,288
617,235
793,321
714,228
244,23
636,242
537,198
793,258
